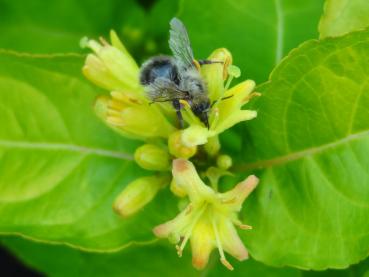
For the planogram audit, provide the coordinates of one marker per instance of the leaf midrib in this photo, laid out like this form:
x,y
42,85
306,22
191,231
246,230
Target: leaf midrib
x,y
299,154
84,150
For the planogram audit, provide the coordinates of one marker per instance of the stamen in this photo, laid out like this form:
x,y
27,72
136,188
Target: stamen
x,y
113,113
103,41
242,226
226,264
223,259
230,78
117,105
117,121
245,227
229,201
251,95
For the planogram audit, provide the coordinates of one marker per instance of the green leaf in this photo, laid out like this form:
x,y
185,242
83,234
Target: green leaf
x,y
27,27
55,26
153,260
60,167
310,143
258,33
343,16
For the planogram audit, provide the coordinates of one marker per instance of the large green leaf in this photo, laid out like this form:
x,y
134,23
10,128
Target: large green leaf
x,y
153,260
57,26
54,26
258,33
343,16
61,168
310,143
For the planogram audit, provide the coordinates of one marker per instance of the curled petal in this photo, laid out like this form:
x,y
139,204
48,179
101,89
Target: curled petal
x,y
185,175
173,227
235,197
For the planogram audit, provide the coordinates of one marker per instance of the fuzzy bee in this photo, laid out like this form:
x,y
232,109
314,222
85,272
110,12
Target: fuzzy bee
x,y
171,79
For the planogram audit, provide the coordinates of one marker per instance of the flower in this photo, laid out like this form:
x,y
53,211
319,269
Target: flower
x,y
209,220
127,110
227,103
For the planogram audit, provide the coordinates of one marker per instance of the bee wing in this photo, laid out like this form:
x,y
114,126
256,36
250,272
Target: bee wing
x,y
179,43
162,90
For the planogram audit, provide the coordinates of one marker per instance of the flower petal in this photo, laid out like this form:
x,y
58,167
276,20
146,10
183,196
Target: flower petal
x,y
235,197
230,240
95,70
232,119
202,243
215,74
187,178
134,120
195,135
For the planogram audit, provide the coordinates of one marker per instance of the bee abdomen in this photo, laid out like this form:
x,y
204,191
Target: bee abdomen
x,y
159,67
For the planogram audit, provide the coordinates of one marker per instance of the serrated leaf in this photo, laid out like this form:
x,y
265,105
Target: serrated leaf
x,y
310,143
258,33
61,168
343,16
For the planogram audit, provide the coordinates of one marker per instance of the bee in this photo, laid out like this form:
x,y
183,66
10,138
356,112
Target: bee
x,y
172,79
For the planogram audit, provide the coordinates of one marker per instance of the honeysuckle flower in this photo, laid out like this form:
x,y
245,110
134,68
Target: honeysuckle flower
x,y
209,220
127,110
139,193
227,103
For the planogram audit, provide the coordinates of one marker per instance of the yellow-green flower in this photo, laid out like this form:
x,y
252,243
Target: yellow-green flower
x,y
227,103
127,109
209,220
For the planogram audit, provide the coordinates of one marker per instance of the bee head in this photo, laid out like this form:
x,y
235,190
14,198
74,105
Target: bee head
x,y
201,110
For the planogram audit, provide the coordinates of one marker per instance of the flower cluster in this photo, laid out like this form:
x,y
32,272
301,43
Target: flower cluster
x,y
209,220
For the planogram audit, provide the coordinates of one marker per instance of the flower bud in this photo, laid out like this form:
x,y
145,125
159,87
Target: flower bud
x,y
152,157
224,162
138,193
178,148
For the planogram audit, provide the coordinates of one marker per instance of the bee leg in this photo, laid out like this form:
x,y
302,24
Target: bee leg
x,y
177,107
202,62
